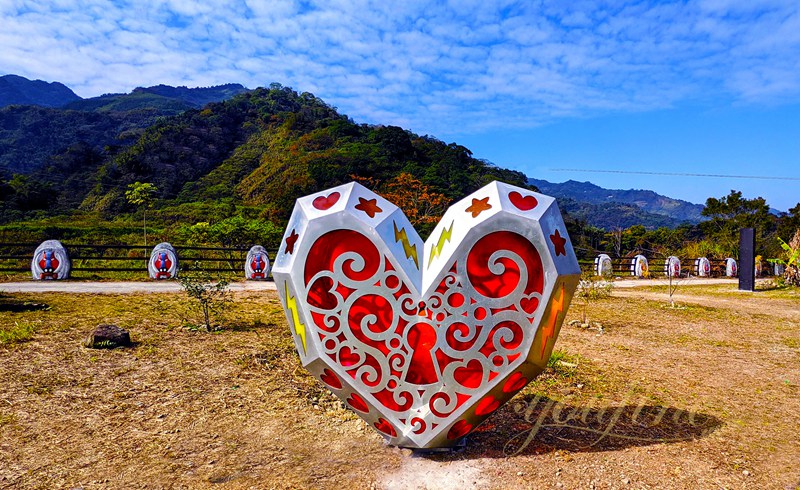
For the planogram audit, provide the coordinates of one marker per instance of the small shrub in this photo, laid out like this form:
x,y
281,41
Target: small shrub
x,y
592,288
790,260
19,332
211,295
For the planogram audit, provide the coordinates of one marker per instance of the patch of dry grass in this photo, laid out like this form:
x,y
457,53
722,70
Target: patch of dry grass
x,y
700,394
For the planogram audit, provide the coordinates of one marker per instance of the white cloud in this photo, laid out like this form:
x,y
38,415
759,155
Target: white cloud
x,y
432,66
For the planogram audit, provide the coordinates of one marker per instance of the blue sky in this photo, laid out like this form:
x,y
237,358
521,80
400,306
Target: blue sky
x,y
707,86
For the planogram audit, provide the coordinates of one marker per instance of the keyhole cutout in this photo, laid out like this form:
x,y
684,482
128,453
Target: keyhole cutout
x,y
422,369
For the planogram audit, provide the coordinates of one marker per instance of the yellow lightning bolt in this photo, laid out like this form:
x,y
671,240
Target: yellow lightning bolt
x,y
436,250
550,330
410,250
299,328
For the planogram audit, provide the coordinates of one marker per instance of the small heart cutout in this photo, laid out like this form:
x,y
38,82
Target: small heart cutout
x,y
385,427
459,429
325,202
523,203
487,406
358,403
331,379
515,383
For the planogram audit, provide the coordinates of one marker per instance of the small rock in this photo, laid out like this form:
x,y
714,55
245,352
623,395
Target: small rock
x,y
519,473
108,337
626,481
746,473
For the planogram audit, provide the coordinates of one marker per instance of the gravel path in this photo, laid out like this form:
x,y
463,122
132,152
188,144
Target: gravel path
x,y
118,287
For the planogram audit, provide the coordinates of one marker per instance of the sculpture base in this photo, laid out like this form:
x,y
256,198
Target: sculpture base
x,y
460,445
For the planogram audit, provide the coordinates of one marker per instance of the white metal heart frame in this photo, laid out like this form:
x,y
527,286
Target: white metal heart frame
x,y
425,340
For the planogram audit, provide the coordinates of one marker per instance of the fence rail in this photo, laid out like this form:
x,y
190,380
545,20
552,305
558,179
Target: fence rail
x,y
16,257
622,266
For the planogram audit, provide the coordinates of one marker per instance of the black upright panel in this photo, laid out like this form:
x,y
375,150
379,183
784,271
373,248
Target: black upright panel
x,y
747,264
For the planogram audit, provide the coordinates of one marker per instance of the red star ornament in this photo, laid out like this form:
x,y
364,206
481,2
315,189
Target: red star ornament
x,y
290,241
559,242
369,206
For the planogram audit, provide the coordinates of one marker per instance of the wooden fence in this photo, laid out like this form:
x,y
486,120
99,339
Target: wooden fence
x,y
16,257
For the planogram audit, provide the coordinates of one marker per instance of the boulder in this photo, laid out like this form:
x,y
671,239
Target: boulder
x,y
108,337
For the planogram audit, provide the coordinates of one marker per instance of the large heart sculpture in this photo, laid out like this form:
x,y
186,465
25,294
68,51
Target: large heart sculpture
x,y
424,341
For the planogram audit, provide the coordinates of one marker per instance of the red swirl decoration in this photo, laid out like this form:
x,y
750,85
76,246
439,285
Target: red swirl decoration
x,y
497,285
422,357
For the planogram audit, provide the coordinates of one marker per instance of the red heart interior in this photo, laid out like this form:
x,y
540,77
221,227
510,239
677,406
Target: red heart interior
x,y
423,357
525,203
325,202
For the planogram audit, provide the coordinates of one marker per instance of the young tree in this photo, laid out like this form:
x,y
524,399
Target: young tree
x,y
141,194
211,295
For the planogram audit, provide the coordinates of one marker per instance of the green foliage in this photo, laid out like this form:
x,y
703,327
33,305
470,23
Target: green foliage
x,y
18,332
790,257
30,135
733,212
706,248
210,295
22,194
236,231
141,194
638,239
137,100
790,260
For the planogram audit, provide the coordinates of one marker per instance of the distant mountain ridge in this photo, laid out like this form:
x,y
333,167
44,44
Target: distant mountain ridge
x,y
17,90
169,100
260,148
650,203
39,120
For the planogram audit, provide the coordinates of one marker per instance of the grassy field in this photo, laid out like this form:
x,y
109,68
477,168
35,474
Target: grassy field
x,y
702,395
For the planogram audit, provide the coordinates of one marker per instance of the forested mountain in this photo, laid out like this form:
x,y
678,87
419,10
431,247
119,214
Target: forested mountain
x,y
47,127
30,135
228,173
648,201
261,149
166,99
269,146
614,215
15,89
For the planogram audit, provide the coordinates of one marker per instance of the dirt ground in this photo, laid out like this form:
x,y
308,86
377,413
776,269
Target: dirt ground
x,y
702,395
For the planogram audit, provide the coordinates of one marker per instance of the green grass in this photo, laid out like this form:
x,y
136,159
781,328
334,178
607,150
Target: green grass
x,y
20,331
764,289
793,343
7,419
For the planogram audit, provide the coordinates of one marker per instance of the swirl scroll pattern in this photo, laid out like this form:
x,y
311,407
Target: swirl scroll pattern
x,y
425,339
423,357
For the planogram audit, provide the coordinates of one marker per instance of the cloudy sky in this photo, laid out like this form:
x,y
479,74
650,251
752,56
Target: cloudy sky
x,y
548,88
